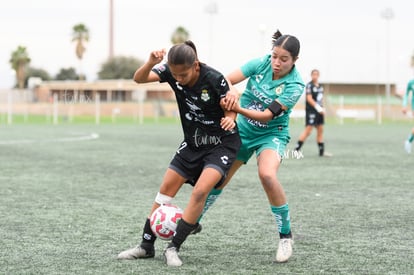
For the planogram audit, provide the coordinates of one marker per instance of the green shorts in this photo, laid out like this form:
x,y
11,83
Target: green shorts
x,y
258,143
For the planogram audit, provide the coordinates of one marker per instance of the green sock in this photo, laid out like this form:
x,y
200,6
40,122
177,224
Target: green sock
x,y
282,217
211,198
411,138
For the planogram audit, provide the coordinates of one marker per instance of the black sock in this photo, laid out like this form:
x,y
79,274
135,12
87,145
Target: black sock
x,y
181,233
299,145
321,146
286,236
148,237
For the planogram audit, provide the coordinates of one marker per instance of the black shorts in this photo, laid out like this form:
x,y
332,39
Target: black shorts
x,y
189,163
314,119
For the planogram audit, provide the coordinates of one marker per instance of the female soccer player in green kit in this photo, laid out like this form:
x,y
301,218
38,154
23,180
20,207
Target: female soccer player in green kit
x,y
274,86
410,89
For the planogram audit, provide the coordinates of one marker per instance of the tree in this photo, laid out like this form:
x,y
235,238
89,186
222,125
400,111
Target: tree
x,y
67,74
180,35
80,35
119,67
19,60
36,72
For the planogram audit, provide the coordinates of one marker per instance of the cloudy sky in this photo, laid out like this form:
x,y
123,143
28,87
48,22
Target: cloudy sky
x,y
346,40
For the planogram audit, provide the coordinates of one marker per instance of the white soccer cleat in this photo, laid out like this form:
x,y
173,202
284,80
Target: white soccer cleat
x,y
135,253
327,154
171,257
285,250
407,146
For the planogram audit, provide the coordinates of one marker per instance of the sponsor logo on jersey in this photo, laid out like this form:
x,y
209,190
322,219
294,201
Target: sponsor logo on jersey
x,y
204,95
223,83
259,78
257,106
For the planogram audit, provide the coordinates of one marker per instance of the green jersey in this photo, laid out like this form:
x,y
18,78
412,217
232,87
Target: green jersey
x,y
410,88
261,90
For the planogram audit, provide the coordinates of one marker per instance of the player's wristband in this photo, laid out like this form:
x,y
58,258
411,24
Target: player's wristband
x,y
318,108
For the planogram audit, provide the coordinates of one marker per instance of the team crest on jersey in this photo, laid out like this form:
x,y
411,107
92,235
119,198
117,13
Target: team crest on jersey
x,y
204,95
279,89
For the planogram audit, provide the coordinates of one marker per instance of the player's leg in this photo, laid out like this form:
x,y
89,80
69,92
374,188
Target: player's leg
x,y
268,165
303,136
172,182
217,164
309,123
217,190
233,145
207,180
319,139
409,141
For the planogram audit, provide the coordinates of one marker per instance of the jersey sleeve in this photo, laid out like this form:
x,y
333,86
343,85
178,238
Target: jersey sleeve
x,y
162,71
291,94
252,67
222,86
308,88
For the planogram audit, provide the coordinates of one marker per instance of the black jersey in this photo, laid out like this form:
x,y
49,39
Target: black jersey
x,y
199,105
317,95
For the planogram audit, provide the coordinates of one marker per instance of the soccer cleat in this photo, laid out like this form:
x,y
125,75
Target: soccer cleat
x,y
327,154
197,229
171,257
284,251
136,253
407,146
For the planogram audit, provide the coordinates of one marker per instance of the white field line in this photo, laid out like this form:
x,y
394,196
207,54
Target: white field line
x,y
62,139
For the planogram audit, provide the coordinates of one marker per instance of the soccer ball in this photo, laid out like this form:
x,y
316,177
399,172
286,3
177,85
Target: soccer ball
x,y
164,221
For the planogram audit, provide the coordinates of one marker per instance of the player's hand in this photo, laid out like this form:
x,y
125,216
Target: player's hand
x,y
404,110
227,123
231,99
157,56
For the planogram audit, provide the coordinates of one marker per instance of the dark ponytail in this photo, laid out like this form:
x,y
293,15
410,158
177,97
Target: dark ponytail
x,y
183,54
287,42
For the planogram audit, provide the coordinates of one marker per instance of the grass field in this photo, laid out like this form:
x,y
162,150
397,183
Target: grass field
x,y
70,202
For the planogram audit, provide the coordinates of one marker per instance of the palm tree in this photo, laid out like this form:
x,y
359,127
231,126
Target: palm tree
x,y
180,35
80,35
19,60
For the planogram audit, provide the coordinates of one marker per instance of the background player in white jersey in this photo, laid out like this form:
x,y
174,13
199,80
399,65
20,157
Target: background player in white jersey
x,y
315,114
211,141
410,89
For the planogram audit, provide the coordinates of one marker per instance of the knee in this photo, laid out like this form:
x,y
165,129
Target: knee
x,y
267,178
199,195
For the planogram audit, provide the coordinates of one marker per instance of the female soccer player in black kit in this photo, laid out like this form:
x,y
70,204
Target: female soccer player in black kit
x,y
211,141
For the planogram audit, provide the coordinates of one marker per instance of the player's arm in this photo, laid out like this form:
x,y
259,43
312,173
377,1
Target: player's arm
x,y
314,104
232,96
144,73
272,111
228,121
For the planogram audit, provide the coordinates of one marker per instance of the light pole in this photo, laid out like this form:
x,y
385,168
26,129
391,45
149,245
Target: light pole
x,y
111,29
388,15
262,32
211,9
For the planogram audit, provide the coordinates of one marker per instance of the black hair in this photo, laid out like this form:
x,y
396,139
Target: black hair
x,y
314,71
183,54
287,42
